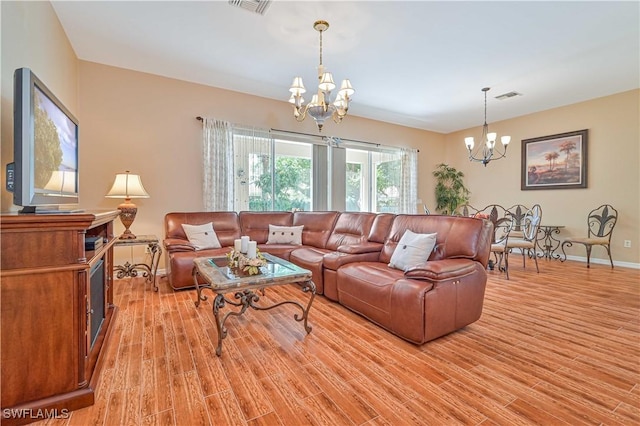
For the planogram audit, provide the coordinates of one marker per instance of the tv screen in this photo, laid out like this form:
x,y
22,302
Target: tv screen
x,y
45,168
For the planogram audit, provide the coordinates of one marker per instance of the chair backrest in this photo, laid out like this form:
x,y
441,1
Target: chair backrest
x,y
502,228
518,211
500,218
531,223
467,210
601,221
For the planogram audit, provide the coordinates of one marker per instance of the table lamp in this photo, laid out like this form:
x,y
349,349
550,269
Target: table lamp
x,y
62,181
127,186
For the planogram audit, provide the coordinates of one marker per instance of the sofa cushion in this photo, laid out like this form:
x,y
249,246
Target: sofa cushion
x,y
201,236
412,250
458,237
351,228
226,225
366,287
317,227
180,266
311,258
285,234
255,225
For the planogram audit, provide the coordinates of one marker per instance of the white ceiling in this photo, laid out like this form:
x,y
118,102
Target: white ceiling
x,y
417,63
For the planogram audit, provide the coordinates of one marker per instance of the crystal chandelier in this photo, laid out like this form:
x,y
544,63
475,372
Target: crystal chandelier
x,y
487,151
321,107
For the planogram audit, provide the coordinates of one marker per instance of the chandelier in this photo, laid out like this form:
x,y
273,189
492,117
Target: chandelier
x,y
487,151
321,107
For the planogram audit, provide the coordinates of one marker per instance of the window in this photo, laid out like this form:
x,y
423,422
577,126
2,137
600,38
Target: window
x,y
284,171
355,188
292,176
372,181
255,187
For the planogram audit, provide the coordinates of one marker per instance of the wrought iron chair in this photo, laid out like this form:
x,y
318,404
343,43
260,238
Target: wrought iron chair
x,y
525,238
502,225
467,210
600,224
518,212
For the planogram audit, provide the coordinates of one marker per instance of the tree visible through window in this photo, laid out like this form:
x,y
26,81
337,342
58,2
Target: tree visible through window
x,y
354,187
292,188
388,186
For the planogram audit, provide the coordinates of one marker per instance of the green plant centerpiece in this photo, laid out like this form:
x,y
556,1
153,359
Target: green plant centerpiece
x,y
450,189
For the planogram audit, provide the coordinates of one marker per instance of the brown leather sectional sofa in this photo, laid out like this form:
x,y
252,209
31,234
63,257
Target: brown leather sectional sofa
x,y
348,254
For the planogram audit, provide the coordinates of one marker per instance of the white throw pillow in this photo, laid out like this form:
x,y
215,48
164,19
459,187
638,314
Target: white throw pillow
x,y
201,236
285,234
412,250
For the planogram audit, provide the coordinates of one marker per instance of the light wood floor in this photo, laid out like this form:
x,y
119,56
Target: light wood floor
x,y
559,347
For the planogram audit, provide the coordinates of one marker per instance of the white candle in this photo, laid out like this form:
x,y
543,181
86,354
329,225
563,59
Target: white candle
x,y
252,251
244,244
237,244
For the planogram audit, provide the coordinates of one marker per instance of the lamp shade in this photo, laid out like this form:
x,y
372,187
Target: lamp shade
x,y
326,82
469,142
346,89
62,181
126,186
297,87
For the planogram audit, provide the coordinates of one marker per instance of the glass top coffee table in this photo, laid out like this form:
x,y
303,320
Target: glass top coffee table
x,y
222,280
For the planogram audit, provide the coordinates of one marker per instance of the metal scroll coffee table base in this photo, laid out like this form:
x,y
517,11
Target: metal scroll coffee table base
x,y
222,280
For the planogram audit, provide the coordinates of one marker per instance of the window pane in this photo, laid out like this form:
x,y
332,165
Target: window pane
x,y
292,176
357,180
260,191
387,182
252,159
354,187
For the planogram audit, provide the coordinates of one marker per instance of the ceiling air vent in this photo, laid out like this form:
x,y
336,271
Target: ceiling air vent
x,y
257,6
508,95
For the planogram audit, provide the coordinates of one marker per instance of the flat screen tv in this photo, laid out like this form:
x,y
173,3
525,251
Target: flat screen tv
x,y
44,172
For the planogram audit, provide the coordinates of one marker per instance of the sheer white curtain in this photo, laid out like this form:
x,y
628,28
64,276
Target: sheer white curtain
x,y
217,157
253,149
408,181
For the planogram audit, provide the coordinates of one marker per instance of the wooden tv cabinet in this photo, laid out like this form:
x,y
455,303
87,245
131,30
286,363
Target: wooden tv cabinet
x,y
56,310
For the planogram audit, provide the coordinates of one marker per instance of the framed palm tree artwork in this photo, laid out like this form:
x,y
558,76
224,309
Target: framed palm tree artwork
x,y
555,161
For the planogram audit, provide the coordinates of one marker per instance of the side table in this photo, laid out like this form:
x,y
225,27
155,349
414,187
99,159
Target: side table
x,y
548,243
149,270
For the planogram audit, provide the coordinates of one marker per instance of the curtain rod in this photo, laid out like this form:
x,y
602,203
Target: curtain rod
x,y
325,137
377,145
309,134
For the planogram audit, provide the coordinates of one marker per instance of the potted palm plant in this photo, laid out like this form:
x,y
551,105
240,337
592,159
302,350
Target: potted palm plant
x,y
450,189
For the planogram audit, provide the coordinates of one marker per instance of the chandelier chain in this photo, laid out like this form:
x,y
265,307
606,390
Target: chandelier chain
x,y
320,47
485,107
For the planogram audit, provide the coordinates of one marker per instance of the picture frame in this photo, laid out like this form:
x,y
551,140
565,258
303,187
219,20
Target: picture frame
x,y
555,161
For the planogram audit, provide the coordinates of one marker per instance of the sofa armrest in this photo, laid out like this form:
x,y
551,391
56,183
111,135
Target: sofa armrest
x,y
335,259
442,270
177,244
367,247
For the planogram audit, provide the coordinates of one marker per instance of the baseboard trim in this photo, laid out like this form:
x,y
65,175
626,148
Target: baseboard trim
x,y
605,262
